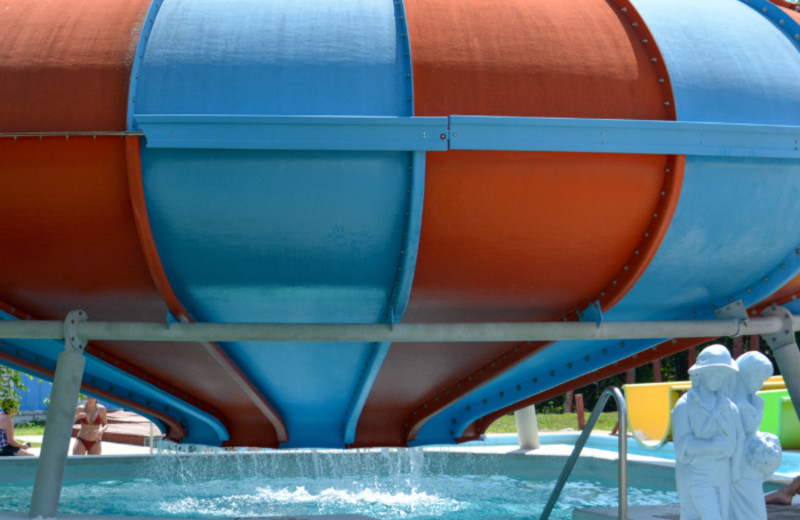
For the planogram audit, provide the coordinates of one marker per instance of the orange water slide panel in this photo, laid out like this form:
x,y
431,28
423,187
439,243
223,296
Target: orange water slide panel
x,y
65,66
519,236
538,238
544,59
528,236
67,211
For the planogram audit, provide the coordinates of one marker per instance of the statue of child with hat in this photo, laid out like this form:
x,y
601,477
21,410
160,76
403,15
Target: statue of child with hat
x,y
708,435
761,451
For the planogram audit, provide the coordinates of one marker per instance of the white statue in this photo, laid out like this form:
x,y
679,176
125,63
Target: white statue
x,y
762,451
708,435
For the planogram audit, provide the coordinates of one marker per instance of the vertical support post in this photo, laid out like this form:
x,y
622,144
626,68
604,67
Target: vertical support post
x,y
579,409
786,352
630,376
568,397
738,343
755,343
527,428
60,417
657,371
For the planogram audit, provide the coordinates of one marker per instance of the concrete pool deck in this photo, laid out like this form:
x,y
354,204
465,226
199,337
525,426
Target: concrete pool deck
x,y
670,513
24,516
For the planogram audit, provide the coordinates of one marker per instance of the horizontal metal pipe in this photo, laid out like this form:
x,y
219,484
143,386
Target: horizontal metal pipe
x,y
404,332
67,135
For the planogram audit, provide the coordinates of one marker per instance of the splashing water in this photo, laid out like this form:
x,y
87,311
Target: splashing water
x,y
386,484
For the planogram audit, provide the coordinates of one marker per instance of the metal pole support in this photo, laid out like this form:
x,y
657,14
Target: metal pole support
x,y
60,418
527,428
784,348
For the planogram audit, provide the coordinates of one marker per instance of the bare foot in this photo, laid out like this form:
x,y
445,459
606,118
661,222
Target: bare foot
x,y
784,495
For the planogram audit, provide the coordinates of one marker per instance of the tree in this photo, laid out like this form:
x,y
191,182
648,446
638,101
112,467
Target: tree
x,y
12,383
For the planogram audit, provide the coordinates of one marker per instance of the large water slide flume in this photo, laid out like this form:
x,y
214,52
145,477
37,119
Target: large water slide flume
x,y
376,163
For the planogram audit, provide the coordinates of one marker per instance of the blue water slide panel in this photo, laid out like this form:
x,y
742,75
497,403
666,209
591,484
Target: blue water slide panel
x,y
285,237
557,364
281,57
727,236
726,61
279,236
730,229
311,385
201,427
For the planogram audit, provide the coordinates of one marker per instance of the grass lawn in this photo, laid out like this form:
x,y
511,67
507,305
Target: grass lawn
x,y
29,428
553,422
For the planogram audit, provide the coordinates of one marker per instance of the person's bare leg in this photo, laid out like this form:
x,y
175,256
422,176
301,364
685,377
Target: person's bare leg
x,y
78,448
784,495
96,449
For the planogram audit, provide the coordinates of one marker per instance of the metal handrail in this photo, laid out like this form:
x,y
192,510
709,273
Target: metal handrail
x,y
623,453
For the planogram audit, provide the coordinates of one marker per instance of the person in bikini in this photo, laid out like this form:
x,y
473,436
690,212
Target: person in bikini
x,y
8,444
92,417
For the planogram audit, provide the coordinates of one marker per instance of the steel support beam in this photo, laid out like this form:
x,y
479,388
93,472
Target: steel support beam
x,y
786,352
398,332
60,417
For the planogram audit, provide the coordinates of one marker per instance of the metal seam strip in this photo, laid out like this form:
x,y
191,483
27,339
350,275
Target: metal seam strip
x,y
626,136
401,290
651,240
365,382
756,310
403,281
411,236
135,182
138,58
404,47
656,58
66,135
382,133
787,25
534,134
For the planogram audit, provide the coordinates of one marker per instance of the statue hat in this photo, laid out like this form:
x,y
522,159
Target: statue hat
x,y
714,356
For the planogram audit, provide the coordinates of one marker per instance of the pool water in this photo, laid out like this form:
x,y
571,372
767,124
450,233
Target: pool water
x,y
451,497
386,484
